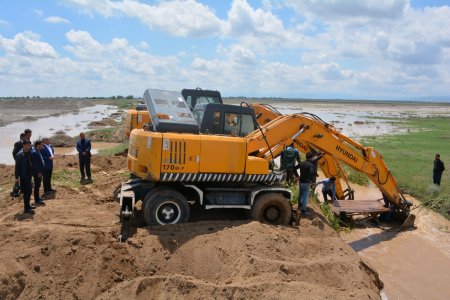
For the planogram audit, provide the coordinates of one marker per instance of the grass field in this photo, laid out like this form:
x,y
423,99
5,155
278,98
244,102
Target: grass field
x,y
410,158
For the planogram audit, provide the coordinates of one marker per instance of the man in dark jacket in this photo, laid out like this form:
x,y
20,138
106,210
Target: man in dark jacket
x,y
23,173
84,157
438,168
307,176
48,153
17,147
38,166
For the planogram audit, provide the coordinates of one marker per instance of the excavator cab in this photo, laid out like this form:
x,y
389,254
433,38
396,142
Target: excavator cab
x,y
225,119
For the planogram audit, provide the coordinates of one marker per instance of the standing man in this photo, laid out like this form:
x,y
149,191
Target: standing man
x,y
306,178
438,168
27,133
17,147
38,167
328,188
23,175
84,156
48,153
288,159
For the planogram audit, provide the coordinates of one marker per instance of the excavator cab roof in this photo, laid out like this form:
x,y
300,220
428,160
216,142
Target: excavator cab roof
x,y
198,96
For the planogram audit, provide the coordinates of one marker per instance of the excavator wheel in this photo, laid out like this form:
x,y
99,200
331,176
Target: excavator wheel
x,y
166,206
271,208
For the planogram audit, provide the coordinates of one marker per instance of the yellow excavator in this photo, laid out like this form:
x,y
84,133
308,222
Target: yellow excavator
x,y
138,117
218,157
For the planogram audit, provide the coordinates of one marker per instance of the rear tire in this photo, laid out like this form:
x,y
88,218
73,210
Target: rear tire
x,y
271,208
166,206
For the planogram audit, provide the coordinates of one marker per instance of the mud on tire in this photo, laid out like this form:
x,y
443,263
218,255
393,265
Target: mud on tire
x,y
271,208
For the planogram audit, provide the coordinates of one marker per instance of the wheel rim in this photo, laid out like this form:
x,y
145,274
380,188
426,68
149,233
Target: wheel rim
x,y
168,213
272,213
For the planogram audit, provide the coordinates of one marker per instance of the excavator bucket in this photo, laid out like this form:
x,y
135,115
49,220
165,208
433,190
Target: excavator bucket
x,y
408,223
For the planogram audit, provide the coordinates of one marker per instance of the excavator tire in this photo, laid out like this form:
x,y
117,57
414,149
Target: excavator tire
x,y
271,208
166,206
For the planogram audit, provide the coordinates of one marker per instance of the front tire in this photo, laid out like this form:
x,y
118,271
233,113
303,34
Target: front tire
x,y
166,206
271,208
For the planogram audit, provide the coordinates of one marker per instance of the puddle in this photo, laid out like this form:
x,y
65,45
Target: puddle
x,y
71,124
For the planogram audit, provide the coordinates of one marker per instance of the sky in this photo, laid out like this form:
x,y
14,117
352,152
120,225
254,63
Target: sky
x,y
372,49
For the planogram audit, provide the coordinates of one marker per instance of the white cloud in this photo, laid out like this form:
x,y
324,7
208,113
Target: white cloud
x,y
27,44
3,23
176,17
56,19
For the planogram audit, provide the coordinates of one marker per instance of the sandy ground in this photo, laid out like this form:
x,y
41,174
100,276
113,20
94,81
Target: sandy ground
x,y
70,249
13,110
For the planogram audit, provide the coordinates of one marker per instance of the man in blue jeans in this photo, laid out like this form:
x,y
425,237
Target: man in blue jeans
x,y
84,158
307,176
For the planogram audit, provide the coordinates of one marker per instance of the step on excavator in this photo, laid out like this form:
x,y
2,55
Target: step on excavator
x,y
218,156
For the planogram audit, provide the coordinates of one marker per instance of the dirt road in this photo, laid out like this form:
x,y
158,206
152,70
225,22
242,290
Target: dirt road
x,y
414,264
70,249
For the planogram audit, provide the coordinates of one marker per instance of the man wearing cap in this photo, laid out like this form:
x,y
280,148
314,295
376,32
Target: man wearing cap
x,y
23,173
38,166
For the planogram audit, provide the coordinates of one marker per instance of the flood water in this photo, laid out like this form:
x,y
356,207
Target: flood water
x,y
71,123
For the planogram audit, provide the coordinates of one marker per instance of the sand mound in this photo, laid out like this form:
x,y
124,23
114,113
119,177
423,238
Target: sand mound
x,y
70,249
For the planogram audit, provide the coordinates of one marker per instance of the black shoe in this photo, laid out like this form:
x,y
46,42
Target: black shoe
x,y
28,211
32,207
40,202
82,180
52,190
89,180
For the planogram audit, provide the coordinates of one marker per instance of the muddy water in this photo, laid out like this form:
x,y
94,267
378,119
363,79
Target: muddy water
x,y
95,148
413,264
71,124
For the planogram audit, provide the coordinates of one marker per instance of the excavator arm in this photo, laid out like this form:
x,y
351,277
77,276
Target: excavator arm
x,y
330,167
308,128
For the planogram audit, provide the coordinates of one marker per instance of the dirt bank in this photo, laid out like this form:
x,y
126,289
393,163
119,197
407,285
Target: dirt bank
x,y
69,249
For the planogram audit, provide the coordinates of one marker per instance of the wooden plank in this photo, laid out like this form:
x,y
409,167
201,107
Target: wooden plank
x,y
358,206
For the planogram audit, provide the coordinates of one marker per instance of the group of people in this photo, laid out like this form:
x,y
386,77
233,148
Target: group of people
x,y
32,163
34,167
291,162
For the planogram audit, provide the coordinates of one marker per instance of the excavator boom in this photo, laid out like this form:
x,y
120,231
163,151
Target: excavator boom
x,y
308,128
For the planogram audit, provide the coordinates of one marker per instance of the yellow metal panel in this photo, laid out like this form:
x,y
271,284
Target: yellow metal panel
x,y
144,154
180,153
220,154
256,165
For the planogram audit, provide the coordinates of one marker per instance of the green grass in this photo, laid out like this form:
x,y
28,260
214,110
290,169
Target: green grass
x,y
410,157
355,176
66,177
115,150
